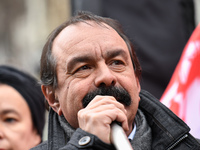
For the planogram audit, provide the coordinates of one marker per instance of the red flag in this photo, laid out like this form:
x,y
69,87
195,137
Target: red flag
x,y
182,94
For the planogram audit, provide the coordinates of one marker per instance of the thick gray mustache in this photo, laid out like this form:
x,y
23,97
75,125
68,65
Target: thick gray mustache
x,y
119,93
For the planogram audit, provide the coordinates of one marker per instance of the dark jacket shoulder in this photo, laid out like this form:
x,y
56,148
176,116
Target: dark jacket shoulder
x,y
169,131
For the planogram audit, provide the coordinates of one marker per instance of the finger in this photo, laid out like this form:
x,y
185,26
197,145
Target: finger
x,y
103,114
105,100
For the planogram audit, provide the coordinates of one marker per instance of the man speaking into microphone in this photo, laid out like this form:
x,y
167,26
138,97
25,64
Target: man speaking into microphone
x,y
90,78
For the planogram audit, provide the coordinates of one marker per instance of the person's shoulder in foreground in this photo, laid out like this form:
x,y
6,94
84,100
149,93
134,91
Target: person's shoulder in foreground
x,y
90,78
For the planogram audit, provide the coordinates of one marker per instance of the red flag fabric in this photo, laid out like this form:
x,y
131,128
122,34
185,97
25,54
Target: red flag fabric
x,y
182,94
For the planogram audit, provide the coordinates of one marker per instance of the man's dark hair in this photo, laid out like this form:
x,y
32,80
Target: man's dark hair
x,y
48,61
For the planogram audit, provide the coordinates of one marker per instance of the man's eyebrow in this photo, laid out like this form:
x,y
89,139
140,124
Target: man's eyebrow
x,y
114,53
87,58
78,59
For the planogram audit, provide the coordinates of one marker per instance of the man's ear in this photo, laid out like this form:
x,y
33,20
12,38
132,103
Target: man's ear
x,y
51,98
138,85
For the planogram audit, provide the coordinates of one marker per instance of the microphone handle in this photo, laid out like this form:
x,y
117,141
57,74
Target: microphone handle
x,y
119,138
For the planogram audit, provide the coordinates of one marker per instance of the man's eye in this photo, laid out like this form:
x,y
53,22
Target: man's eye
x,y
117,65
117,62
83,68
82,71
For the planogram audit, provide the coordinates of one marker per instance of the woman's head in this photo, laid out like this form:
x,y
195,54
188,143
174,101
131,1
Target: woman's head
x,y
22,110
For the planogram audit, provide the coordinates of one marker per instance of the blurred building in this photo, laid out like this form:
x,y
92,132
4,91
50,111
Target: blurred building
x,y
24,27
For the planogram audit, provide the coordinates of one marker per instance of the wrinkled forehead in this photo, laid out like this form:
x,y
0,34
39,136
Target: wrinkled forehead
x,y
76,33
86,28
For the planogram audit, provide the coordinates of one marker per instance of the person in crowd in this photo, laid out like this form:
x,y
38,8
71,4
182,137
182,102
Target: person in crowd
x,y
90,77
22,110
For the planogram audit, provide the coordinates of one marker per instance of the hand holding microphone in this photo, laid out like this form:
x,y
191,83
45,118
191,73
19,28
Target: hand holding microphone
x,y
97,119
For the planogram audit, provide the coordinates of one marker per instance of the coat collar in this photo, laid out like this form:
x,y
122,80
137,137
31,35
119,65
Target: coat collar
x,y
166,126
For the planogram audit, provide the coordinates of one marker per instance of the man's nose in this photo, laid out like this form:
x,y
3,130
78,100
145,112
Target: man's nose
x,y
105,77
